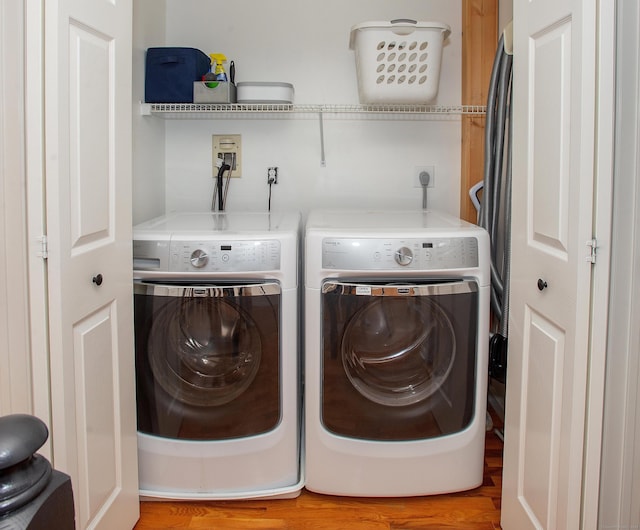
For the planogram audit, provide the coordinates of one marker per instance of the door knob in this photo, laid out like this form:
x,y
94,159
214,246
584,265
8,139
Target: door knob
x,y
542,285
97,279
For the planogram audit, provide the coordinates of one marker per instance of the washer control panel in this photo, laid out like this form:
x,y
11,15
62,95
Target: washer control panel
x,y
395,254
224,256
207,255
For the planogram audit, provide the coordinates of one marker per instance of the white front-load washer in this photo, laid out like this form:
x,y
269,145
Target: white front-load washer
x,y
396,338
217,355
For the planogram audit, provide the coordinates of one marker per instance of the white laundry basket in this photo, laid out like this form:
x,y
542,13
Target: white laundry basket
x,y
398,62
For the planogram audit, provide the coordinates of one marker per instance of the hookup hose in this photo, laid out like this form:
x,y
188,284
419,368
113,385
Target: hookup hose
x,y
495,208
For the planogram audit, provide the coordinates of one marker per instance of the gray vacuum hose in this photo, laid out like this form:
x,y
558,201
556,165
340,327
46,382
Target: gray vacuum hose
x,y
495,210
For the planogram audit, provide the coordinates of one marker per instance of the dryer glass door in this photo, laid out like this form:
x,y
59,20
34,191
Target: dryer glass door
x,y
207,359
399,360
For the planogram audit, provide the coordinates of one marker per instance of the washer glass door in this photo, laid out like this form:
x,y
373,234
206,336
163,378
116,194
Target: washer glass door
x,y
207,359
398,359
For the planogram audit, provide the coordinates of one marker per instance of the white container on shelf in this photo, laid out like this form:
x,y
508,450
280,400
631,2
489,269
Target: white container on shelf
x,y
264,92
398,62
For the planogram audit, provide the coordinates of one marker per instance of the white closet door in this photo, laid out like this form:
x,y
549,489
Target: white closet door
x,y
553,180
87,85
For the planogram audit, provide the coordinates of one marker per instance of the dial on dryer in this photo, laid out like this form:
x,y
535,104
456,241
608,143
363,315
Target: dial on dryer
x,y
404,256
199,258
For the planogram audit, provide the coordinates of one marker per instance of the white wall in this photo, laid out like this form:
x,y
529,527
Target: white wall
x,y
148,134
369,162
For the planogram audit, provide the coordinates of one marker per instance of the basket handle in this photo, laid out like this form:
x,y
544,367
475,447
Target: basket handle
x,y
403,21
445,29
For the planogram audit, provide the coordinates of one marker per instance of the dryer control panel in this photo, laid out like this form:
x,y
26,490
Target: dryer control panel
x,y
207,255
418,254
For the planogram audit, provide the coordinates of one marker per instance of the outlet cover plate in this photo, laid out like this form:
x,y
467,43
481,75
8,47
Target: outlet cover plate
x,y
226,144
416,176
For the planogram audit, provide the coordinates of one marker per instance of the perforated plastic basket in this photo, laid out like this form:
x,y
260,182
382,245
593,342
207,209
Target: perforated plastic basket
x,y
398,62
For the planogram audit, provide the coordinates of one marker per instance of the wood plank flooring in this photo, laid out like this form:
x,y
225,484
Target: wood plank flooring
x,y
477,509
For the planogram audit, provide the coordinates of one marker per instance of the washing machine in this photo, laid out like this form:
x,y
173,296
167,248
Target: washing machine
x,y
396,338
217,355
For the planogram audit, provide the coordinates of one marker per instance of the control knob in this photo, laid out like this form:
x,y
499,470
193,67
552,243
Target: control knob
x,y
199,258
404,256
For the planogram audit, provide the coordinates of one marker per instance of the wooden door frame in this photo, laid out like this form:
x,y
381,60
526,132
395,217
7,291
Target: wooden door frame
x,y
15,378
618,422
24,330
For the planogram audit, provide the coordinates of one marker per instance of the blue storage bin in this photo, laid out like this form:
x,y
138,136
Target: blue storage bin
x,y
170,73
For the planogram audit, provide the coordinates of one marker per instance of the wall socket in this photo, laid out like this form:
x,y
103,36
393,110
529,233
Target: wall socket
x,y
416,176
224,147
272,175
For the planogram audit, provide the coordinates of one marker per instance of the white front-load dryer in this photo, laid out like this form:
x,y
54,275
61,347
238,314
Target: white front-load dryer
x,y
396,339
217,355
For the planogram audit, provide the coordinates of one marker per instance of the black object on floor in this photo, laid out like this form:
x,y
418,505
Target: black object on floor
x,y
32,495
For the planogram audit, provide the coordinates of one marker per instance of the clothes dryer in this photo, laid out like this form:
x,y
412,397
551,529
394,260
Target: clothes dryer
x,y
397,320
216,337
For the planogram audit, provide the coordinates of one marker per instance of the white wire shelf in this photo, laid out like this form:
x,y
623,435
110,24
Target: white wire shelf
x,y
187,111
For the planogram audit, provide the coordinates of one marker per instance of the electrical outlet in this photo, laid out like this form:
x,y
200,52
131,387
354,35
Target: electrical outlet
x,y
272,175
228,148
431,170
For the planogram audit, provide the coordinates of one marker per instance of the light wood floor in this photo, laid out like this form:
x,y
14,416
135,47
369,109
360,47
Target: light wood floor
x,y
477,509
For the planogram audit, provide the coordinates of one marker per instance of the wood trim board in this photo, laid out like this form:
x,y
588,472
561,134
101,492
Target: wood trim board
x,y
479,41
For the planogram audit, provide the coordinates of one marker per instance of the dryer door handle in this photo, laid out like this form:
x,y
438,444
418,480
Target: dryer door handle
x,y
440,287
